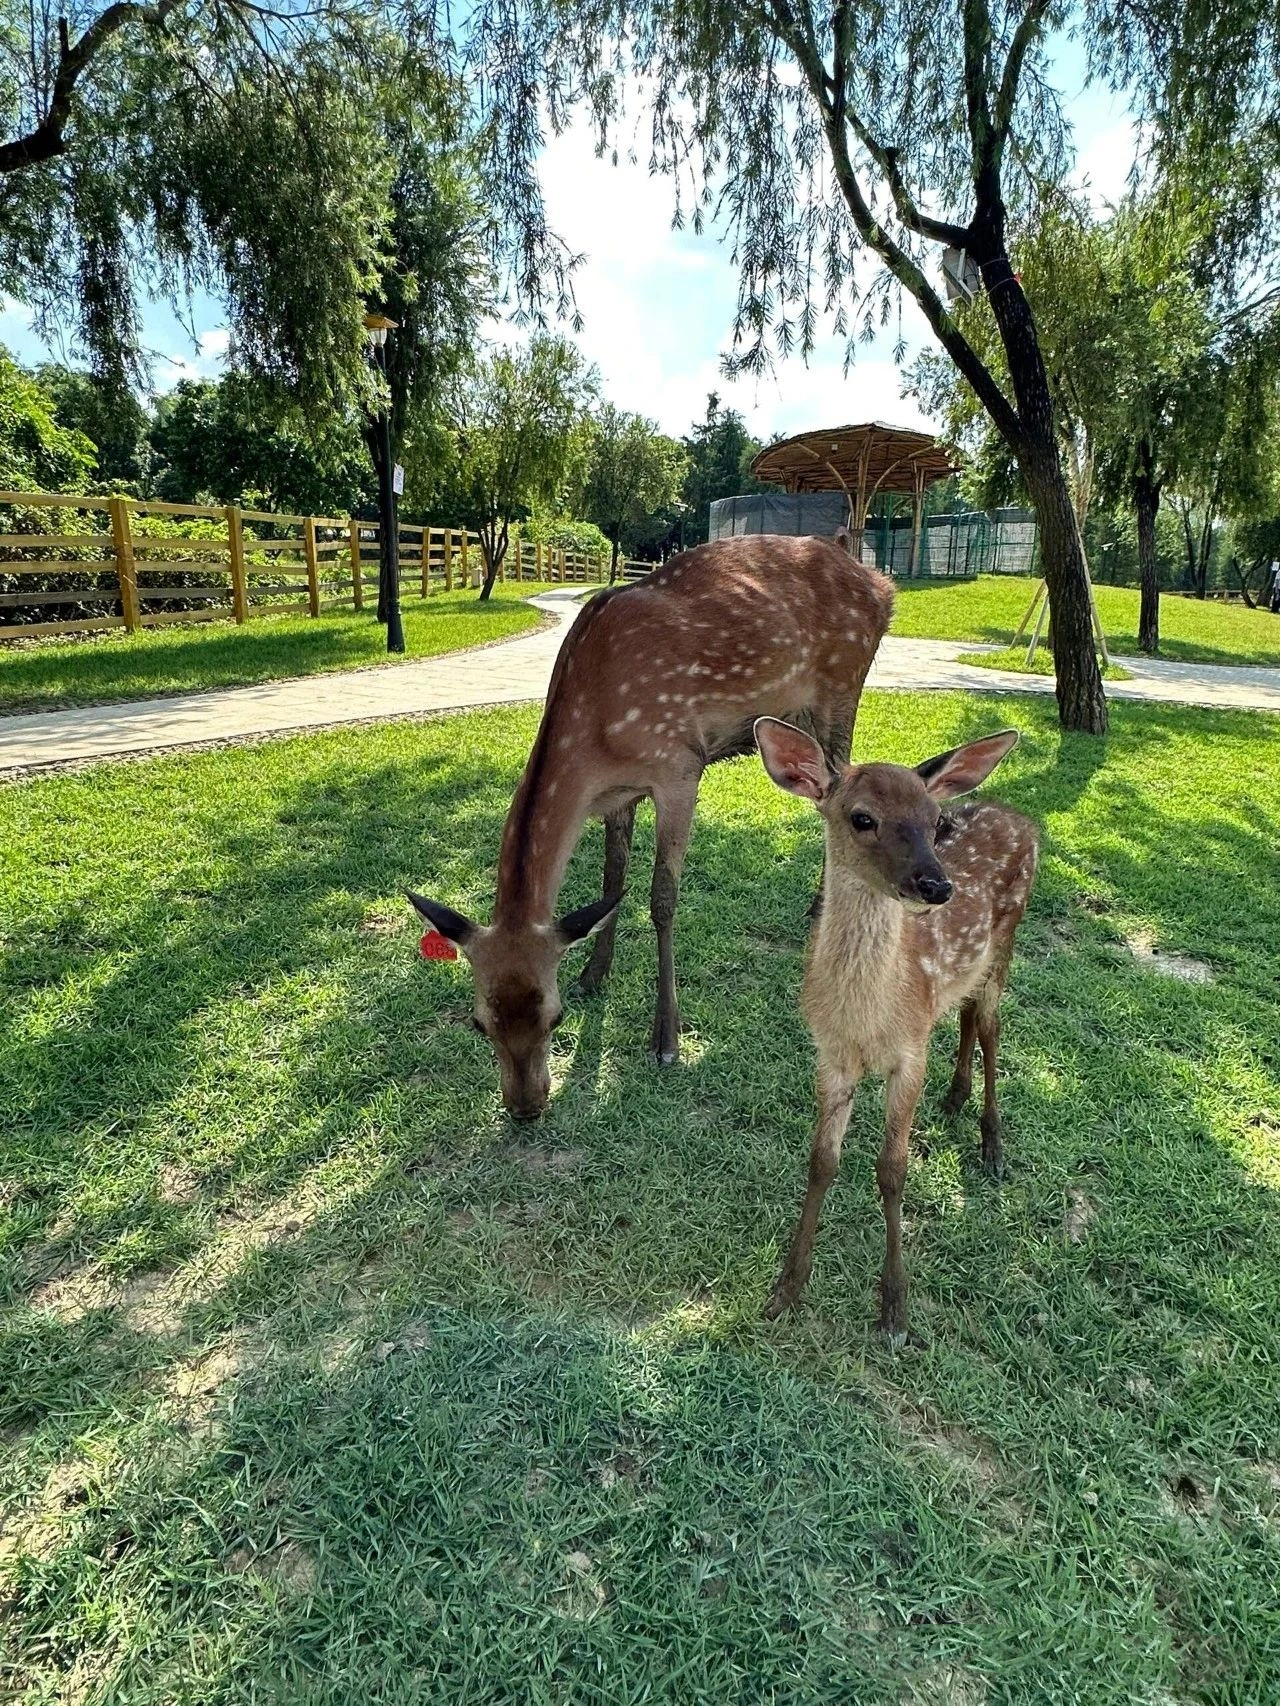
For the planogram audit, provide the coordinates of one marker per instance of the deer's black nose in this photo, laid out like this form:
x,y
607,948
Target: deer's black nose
x,y
934,890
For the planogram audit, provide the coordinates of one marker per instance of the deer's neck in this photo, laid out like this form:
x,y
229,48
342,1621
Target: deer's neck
x,y
542,830
859,930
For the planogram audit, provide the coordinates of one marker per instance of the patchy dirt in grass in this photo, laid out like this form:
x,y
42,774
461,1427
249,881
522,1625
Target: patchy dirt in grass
x,y
946,1685
1081,1212
969,1458
177,1184
560,1162
583,1594
156,1303
289,1563
1160,960
39,1527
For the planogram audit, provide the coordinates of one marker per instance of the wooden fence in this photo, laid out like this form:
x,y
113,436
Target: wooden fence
x,y
140,565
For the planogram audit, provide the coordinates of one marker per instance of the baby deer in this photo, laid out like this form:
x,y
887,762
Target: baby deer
x,y
918,912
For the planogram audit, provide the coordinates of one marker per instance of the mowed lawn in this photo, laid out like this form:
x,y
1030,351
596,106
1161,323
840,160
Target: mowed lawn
x,y
319,1382
46,675
990,608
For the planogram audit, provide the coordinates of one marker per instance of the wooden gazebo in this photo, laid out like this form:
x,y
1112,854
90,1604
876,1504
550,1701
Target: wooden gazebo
x,y
860,461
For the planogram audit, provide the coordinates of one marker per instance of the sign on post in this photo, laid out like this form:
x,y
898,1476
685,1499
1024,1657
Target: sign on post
x,y
397,480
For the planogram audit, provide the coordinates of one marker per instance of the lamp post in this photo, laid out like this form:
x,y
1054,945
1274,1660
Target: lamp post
x,y
377,326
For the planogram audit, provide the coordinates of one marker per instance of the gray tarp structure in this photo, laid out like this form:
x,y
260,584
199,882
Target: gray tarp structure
x,y
966,544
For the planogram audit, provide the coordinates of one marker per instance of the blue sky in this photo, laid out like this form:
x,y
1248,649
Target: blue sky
x,y
658,303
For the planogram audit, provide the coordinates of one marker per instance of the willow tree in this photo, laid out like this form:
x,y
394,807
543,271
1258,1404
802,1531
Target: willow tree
x,y
819,133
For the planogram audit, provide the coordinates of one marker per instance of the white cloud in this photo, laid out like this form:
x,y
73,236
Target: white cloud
x,y
658,306
204,361
1105,162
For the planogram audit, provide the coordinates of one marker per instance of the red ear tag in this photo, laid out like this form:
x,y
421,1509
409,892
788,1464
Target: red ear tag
x,y
434,946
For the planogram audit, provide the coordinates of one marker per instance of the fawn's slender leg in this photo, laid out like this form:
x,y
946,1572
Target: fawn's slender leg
x,y
674,808
619,827
962,1082
835,1101
901,1094
989,1037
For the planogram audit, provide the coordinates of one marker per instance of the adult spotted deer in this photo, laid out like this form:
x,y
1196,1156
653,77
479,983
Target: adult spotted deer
x,y
919,909
654,682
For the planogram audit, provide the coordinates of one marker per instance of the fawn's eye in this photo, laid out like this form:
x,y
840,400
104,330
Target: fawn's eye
x,y
945,830
862,821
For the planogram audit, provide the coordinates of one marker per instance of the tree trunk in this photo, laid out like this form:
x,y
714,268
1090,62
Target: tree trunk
x,y
1082,703
613,562
1146,501
493,542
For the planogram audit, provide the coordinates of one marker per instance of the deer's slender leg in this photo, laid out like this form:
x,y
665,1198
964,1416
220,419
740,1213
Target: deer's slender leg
x,y
835,1101
619,827
901,1094
962,1081
674,808
989,1037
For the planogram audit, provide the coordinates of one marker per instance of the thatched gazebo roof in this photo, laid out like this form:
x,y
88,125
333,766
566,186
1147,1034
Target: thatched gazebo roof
x,y
857,460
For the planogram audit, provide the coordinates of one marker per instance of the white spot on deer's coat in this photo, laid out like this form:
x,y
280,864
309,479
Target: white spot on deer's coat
x,y
632,715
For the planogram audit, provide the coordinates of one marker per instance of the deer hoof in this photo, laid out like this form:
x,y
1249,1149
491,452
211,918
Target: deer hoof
x,y
782,1299
667,1057
894,1340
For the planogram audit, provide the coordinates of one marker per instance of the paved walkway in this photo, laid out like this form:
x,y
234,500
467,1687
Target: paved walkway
x,y
519,670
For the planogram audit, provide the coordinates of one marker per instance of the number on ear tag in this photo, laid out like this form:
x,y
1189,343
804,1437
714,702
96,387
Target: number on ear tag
x,y
434,946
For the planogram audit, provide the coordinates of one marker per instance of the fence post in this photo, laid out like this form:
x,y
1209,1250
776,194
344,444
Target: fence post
x,y
353,542
313,563
126,572
563,560
235,543
426,560
448,560
466,572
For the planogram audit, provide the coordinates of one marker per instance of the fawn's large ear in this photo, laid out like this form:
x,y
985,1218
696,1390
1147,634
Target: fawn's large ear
x,y
449,923
961,769
794,759
576,926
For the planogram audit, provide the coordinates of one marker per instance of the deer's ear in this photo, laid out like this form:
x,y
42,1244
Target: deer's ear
x,y
964,767
449,923
794,759
576,926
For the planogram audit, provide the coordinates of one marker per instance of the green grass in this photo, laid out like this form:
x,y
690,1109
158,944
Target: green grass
x,y
1015,658
989,609
320,1383
46,675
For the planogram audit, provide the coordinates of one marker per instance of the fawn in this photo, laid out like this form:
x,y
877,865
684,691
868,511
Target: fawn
x,y
654,682
918,912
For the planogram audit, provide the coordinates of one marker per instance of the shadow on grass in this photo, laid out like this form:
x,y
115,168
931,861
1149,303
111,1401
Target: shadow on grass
x,y
385,1397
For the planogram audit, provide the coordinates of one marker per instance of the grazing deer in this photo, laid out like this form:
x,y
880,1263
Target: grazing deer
x,y
919,909
654,682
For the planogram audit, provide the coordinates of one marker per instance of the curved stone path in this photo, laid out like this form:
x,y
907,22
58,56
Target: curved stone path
x,y
516,670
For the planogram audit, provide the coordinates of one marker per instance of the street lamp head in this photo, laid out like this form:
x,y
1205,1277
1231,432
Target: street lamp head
x,y
377,326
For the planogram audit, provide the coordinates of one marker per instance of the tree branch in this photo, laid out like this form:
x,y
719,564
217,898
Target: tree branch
x,y
837,122
1007,95
938,230
48,138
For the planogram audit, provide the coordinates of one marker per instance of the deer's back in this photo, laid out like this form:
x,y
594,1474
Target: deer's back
x,y
990,855
732,630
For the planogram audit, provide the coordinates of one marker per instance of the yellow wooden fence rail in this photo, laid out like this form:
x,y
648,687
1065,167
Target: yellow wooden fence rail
x,y
123,554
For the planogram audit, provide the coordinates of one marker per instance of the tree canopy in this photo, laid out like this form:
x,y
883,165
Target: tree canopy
x,y
518,419
37,451
633,473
